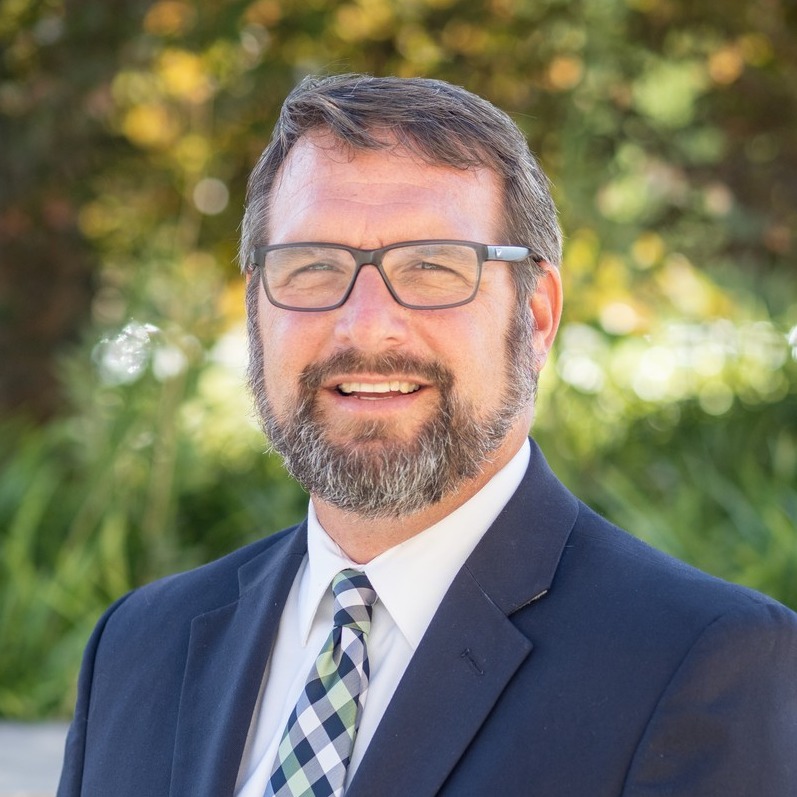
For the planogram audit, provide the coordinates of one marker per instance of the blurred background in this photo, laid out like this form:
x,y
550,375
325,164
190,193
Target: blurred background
x,y
128,448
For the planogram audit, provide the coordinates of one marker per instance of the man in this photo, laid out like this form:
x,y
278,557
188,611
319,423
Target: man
x,y
497,637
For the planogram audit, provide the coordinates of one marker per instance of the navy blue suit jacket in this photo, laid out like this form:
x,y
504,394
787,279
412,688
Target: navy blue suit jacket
x,y
568,659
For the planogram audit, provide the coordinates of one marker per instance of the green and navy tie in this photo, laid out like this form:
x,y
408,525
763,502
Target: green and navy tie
x,y
315,749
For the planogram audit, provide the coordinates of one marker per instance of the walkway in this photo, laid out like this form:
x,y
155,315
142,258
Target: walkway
x,y
30,758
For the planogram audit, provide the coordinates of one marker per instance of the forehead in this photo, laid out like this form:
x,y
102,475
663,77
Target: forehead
x,y
388,194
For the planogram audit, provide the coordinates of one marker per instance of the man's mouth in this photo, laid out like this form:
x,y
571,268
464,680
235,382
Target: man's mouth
x,y
377,389
351,374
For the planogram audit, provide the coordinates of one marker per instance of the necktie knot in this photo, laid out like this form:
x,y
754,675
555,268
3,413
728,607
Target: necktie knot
x,y
354,600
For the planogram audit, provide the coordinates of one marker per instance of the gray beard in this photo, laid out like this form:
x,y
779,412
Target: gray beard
x,y
373,474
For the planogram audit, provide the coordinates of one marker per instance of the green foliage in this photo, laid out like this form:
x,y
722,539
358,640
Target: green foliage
x,y
141,480
670,404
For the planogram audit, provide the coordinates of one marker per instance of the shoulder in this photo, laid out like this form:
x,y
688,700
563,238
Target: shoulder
x,y
690,675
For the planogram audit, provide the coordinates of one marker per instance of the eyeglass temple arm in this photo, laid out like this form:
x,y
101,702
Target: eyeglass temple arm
x,y
512,253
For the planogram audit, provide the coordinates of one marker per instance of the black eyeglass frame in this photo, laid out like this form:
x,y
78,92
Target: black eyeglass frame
x,y
374,257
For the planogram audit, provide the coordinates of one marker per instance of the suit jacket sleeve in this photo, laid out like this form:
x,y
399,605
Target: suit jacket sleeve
x,y
71,781
726,724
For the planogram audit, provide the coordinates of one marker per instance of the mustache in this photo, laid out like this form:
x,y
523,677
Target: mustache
x,y
353,361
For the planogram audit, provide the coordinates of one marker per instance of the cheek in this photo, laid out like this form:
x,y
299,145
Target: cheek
x,y
477,355
291,341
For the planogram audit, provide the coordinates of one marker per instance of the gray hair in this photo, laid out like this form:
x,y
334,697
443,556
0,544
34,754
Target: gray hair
x,y
442,124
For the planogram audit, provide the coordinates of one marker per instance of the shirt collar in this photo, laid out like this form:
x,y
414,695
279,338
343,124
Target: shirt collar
x,y
411,578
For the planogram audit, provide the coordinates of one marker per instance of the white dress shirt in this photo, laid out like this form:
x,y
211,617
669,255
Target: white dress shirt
x,y
410,580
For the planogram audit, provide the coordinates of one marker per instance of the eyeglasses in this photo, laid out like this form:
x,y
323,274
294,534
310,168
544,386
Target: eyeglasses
x,y
421,275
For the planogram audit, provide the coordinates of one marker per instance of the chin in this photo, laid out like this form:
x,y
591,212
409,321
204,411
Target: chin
x,y
362,430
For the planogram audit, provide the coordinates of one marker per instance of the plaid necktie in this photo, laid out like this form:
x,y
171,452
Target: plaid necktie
x,y
316,747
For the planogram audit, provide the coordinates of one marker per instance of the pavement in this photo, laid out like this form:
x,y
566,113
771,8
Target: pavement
x,y
30,758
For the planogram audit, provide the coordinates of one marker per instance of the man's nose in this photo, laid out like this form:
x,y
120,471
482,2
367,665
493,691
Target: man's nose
x,y
371,318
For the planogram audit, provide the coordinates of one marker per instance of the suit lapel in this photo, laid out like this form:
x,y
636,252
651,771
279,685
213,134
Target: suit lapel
x,y
464,661
228,651
471,649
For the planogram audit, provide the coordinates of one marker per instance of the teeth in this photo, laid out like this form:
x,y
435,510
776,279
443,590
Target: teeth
x,y
378,387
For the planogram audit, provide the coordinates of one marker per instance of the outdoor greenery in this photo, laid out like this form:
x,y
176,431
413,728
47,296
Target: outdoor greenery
x,y
127,444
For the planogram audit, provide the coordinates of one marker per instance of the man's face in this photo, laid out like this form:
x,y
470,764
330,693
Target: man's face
x,y
376,408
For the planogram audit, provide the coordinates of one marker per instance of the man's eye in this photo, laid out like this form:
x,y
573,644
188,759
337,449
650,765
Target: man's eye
x,y
316,266
428,265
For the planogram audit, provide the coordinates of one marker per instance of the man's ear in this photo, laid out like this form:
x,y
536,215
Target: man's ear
x,y
546,308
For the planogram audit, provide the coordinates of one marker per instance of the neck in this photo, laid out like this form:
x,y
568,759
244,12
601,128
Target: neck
x,y
363,539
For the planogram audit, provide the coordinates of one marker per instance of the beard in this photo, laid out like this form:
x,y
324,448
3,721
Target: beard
x,y
375,473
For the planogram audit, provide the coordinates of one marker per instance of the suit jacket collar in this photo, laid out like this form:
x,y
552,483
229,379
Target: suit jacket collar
x,y
471,649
